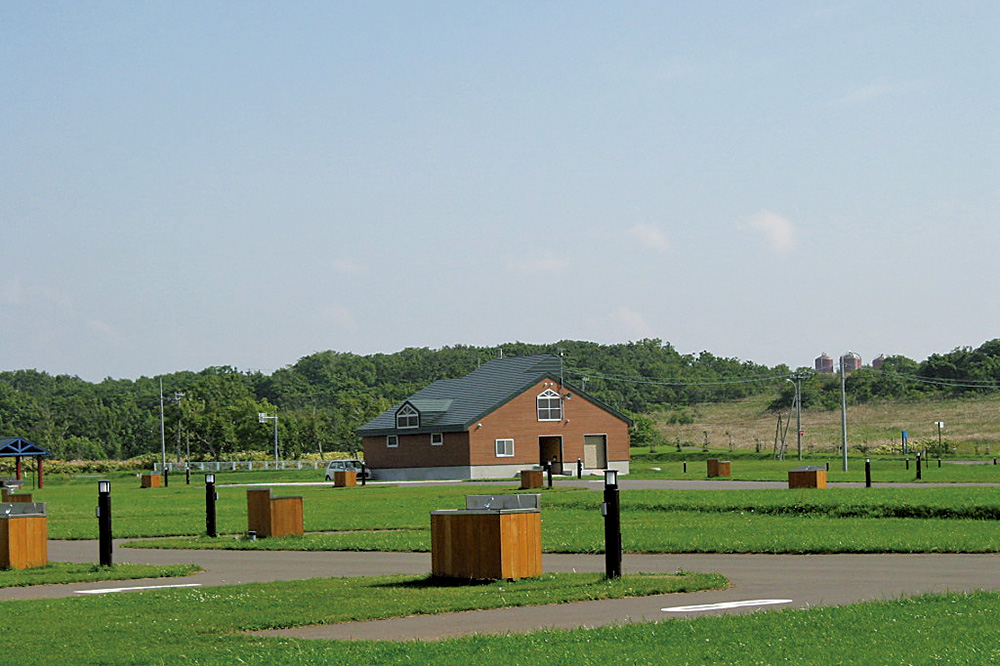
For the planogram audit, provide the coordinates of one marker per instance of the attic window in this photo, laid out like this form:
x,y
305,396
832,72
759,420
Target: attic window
x,y
407,417
549,406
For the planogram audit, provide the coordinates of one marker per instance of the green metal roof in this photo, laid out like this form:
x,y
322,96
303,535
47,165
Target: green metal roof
x,y
450,405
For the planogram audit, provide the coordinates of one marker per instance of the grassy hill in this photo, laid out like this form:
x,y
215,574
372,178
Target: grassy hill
x,y
972,425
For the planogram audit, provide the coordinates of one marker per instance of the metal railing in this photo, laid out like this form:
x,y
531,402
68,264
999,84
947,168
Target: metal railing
x,y
241,465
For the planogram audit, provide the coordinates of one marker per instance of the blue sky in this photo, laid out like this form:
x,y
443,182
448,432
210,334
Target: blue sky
x,y
189,184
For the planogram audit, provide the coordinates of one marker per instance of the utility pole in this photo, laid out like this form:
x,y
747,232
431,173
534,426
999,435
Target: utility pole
x,y
843,410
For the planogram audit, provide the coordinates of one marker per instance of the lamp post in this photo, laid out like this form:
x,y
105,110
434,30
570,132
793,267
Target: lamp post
x,y
210,498
104,522
176,399
612,525
264,418
163,436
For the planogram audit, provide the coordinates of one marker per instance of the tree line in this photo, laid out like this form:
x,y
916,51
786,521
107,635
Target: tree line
x,y
321,399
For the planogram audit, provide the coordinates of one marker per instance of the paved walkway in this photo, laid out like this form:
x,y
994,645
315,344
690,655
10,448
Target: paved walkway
x,y
797,581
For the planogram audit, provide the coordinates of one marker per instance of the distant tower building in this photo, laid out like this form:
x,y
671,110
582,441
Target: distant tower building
x,y
877,363
824,363
851,362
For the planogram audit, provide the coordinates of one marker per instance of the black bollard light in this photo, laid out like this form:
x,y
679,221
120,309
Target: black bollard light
x,y
685,466
210,498
166,477
104,522
907,463
612,525
548,473
364,473
918,467
579,468
939,463
187,475
868,472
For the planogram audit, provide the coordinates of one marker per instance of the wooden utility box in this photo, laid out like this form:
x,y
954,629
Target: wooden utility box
x,y
495,537
24,535
719,468
344,479
532,478
151,481
273,516
807,477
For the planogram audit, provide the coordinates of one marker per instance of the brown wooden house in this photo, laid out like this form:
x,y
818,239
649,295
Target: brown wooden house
x,y
509,415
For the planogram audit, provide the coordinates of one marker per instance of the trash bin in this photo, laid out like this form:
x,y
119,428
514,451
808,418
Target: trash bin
x,y
719,468
273,516
345,479
495,537
807,477
532,478
24,537
151,481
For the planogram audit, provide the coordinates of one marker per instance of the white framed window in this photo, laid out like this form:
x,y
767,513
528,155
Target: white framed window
x,y
505,448
407,417
549,406
437,439
391,441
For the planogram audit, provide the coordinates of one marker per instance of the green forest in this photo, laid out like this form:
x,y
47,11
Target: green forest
x,y
321,399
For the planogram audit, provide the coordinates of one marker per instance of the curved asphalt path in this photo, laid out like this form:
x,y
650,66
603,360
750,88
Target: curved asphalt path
x,y
801,580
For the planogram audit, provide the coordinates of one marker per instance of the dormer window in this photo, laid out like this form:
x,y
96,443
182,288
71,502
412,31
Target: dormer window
x,y
549,406
407,417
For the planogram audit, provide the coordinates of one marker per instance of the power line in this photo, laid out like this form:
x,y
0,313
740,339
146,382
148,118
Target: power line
x,y
674,382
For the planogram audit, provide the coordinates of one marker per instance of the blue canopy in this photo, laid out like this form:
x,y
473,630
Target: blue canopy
x,y
11,447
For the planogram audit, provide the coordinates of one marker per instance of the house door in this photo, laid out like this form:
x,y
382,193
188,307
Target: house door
x,y
550,451
595,451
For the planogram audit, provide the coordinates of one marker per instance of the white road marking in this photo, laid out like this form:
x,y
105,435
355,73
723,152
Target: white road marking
x,y
110,590
725,605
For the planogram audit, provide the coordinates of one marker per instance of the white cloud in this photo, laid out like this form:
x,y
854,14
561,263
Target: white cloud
x,y
632,322
341,317
549,263
777,231
649,236
874,91
103,330
348,266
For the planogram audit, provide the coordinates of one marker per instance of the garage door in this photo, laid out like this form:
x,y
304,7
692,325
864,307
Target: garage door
x,y
595,451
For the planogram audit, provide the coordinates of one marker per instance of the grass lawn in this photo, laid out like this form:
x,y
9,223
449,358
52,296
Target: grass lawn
x,y
205,625
750,467
198,625
396,518
68,572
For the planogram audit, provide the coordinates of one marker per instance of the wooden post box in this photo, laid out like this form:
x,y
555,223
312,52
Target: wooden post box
x,y
490,540
344,479
24,538
718,467
151,481
532,478
807,477
273,516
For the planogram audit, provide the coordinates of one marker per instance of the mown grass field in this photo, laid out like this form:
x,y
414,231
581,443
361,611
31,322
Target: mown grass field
x,y
207,625
57,573
731,519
